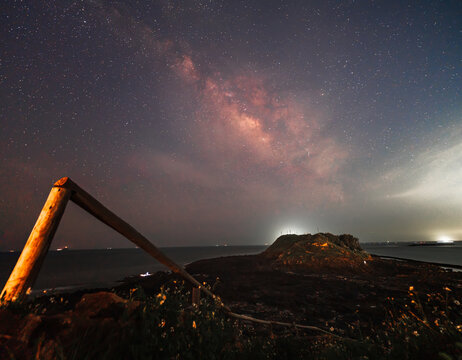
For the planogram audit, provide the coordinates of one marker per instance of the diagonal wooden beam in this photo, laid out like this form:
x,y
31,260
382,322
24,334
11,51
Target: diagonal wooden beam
x,y
30,261
98,210
28,266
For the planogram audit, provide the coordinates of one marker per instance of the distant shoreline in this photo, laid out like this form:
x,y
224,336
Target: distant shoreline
x,y
443,265
384,244
112,256
114,284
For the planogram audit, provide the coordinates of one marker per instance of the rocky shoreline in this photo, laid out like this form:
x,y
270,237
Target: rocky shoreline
x,y
349,293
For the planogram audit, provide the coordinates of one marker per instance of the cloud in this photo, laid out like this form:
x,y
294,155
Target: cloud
x,y
434,174
437,174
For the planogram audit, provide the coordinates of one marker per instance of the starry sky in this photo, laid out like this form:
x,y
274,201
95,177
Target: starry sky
x,y
230,122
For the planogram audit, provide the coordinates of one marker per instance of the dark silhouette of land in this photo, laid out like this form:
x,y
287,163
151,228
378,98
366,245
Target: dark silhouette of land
x,y
322,280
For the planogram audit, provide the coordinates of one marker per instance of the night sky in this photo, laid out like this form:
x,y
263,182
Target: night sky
x,y
213,122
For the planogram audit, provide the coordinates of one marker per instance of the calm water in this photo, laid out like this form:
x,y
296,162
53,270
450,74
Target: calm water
x,y
93,268
75,268
451,254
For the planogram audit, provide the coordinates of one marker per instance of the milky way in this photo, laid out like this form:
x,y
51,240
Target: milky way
x,y
213,122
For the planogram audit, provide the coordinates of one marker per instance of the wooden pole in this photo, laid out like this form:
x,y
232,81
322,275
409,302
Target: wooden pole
x,y
27,267
30,261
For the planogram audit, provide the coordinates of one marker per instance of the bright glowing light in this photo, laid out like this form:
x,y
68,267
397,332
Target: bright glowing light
x,y
291,229
445,239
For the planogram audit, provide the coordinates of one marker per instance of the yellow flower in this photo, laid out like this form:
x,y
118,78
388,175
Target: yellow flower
x,y
162,297
411,288
447,289
194,324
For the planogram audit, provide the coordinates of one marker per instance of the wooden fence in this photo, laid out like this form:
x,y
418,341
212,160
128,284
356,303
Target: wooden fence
x,y
30,261
28,266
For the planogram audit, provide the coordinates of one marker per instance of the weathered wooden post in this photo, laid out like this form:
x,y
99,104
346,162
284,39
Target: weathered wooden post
x,y
28,266
26,270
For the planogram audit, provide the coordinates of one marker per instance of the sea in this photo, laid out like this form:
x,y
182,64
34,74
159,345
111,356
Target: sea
x,y
68,270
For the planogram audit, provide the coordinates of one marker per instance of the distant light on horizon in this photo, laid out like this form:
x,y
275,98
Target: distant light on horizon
x,y
292,230
445,239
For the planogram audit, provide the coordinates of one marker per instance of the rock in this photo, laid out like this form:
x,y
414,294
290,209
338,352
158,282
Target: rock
x,y
322,251
101,304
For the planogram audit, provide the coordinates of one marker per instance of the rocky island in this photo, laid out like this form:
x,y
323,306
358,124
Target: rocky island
x,y
366,307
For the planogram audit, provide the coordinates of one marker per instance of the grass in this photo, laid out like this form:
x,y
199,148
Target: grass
x,y
166,326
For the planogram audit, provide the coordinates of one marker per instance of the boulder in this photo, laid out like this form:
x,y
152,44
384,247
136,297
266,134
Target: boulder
x,y
100,304
322,251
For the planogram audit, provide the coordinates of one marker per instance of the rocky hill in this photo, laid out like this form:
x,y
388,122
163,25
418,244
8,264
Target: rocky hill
x,y
322,251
